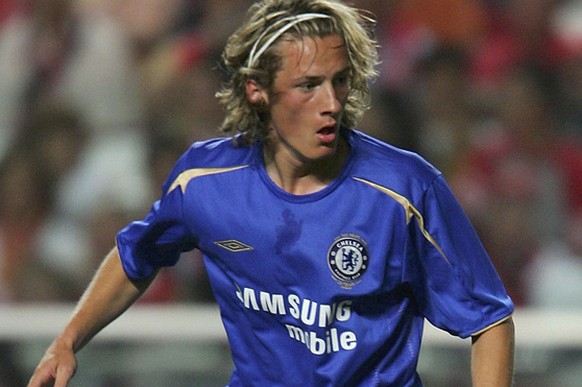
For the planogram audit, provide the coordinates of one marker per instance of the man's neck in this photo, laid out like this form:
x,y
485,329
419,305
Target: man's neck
x,y
301,177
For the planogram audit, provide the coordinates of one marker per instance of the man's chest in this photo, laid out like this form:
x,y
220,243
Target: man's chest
x,y
346,239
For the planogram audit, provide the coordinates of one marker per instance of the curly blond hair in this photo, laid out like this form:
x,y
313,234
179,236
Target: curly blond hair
x,y
353,25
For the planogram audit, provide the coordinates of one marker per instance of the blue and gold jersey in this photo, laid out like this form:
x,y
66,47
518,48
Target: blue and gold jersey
x,y
330,288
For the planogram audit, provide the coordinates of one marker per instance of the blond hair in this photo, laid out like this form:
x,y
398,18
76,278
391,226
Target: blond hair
x,y
241,62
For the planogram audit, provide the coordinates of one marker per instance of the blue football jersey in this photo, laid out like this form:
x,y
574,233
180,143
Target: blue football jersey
x,y
330,288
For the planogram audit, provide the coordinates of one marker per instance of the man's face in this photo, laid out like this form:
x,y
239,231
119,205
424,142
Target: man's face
x,y
308,97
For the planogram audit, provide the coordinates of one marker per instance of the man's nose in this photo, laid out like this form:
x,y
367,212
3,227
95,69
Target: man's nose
x,y
330,102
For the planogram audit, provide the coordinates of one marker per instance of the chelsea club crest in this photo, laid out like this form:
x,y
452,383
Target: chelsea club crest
x,y
348,260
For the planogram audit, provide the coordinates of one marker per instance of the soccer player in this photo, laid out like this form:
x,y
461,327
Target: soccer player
x,y
326,249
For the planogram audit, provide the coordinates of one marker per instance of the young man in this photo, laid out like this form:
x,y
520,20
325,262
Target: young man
x,y
326,249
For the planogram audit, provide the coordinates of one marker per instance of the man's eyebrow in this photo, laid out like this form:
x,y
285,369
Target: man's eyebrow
x,y
310,78
343,71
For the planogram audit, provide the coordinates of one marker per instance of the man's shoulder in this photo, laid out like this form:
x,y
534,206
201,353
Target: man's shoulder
x,y
215,153
209,157
379,160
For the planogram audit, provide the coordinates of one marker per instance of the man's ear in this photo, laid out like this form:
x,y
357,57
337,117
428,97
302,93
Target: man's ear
x,y
255,93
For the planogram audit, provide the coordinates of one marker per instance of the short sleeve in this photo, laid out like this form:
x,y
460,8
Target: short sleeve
x,y
157,240
451,275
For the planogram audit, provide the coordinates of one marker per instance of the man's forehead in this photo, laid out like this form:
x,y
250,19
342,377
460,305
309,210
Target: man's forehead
x,y
305,50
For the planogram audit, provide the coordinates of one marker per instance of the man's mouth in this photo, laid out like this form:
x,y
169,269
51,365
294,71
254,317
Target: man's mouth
x,y
327,134
327,130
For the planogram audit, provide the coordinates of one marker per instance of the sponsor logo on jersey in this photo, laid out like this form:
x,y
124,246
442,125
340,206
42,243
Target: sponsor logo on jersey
x,y
348,260
233,246
310,322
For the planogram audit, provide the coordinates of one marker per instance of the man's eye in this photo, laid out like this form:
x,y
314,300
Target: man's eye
x,y
342,81
307,85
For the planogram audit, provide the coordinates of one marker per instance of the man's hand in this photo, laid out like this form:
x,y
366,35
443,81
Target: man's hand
x,y
109,294
58,365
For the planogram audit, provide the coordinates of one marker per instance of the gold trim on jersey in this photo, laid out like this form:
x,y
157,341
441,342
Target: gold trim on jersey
x,y
479,332
185,177
410,212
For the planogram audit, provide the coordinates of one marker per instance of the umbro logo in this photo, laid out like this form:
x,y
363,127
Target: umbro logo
x,y
233,246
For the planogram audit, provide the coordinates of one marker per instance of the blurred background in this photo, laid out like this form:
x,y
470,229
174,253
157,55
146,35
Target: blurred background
x,y
98,98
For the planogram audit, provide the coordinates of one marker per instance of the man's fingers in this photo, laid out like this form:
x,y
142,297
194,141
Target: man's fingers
x,y
45,376
64,374
40,378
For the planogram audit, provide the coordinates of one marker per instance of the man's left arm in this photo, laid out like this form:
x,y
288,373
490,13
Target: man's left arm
x,y
492,356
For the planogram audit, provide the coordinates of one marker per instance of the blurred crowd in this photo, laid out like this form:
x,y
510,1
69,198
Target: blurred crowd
x,y
98,98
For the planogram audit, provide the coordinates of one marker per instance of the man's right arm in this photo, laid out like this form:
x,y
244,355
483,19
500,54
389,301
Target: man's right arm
x,y
109,294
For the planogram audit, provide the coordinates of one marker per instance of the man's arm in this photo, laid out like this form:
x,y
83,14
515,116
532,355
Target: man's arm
x,y
109,294
492,355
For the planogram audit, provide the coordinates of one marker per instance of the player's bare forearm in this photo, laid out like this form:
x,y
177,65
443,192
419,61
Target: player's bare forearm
x,y
492,355
109,294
